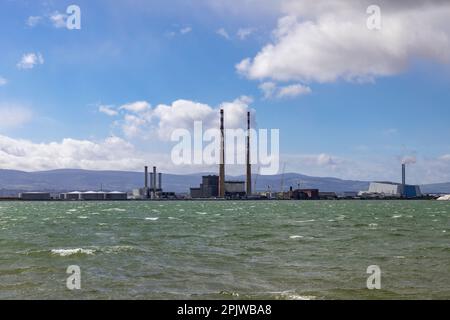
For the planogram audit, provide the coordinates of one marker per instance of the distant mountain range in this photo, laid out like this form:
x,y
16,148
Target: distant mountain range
x,y
13,181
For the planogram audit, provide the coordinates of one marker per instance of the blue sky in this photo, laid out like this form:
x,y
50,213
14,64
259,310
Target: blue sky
x,y
394,106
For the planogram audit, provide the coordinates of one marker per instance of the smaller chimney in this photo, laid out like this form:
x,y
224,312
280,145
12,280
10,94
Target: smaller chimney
x,y
403,179
146,177
160,181
403,174
154,182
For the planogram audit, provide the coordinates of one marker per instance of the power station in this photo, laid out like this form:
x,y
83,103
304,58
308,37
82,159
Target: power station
x,y
385,189
154,190
213,186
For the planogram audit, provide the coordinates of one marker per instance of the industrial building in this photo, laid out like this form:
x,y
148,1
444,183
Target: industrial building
x,y
209,188
235,189
301,194
306,194
35,196
94,196
154,190
385,189
392,190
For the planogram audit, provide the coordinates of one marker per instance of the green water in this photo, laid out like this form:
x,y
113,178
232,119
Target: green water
x,y
225,250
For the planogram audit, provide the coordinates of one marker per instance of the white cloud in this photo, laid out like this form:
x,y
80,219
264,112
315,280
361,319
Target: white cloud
x,y
324,41
108,110
268,89
185,30
13,116
325,160
271,90
293,90
3,81
33,21
244,33
29,60
112,153
134,126
445,157
138,106
140,120
59,20
222,32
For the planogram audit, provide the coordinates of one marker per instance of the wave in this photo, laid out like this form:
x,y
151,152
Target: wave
x,y
305,221
70,252
91,250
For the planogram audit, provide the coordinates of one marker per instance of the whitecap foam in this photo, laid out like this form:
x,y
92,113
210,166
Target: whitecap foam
x,y
151,219
396,216
115,209
295,237
305,221
202,213
300,297
69,252
293,296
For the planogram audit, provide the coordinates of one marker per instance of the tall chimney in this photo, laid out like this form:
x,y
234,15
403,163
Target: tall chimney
x,y
160,181
146,181
403,174
222,158
154,182
249,166
403,179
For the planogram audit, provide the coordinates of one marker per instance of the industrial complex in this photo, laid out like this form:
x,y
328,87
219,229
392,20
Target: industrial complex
x,y
392,189
217,187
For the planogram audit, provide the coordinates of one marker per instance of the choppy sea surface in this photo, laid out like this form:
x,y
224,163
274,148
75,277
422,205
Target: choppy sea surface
x,y
225,250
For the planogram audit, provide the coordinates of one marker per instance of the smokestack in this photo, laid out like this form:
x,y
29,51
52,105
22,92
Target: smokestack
x,y
160,181
146,177
403,174
403,178
154,181
249,166
222,158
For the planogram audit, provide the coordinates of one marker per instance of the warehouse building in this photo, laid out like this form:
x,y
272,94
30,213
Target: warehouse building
x,y
35,196
235,189
392,190
209,188
94,196
303,194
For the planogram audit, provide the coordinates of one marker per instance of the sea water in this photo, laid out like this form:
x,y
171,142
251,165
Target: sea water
x,y
225,249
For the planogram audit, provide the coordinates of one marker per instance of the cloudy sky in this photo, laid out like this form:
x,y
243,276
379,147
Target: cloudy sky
x,y
350,101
